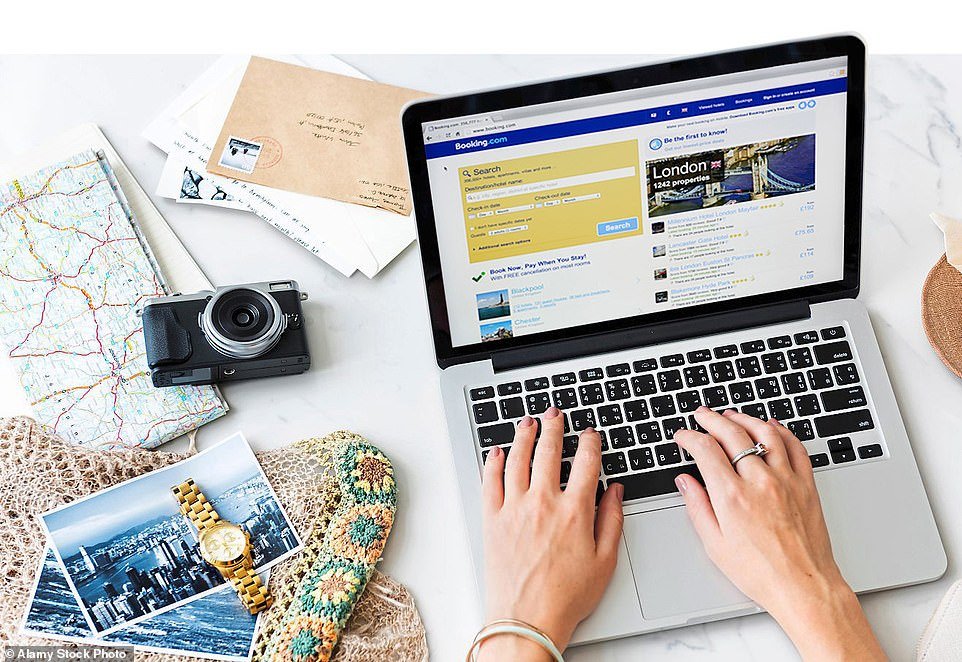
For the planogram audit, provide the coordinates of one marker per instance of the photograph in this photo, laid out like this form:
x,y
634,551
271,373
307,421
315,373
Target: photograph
x,y
657,227
493,304
196,186
496,331
661,274
659,251
128,552
216,625
240,155
661,297
759,170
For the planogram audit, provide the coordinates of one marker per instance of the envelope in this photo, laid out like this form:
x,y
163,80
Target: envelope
x,y
316,133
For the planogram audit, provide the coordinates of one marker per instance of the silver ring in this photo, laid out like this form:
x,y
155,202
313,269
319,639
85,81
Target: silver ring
x,y
758,449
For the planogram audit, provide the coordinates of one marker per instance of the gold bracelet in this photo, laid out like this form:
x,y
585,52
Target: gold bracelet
x,y
515,627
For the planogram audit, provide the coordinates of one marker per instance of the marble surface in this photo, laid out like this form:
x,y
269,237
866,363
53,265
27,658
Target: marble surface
x,y
374,368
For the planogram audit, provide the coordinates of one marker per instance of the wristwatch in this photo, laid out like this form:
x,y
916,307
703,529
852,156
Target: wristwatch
x,y
224,545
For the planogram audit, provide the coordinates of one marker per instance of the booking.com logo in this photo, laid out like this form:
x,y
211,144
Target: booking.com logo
x,y
480,143
802,105
655,143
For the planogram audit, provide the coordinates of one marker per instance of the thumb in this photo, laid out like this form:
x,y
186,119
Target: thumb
x,y
608,525
700,511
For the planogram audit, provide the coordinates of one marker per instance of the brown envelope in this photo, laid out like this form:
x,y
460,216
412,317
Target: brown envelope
x,y
318,133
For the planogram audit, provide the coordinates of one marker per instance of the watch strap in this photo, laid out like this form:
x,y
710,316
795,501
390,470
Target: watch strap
x,y
194,504
251,589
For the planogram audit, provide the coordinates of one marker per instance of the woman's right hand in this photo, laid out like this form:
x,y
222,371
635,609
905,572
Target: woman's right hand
x,y
762,525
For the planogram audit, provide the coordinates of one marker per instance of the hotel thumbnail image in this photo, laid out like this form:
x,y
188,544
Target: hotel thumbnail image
x,y
661,274
755,171
496,331
659,251
661,297
493,304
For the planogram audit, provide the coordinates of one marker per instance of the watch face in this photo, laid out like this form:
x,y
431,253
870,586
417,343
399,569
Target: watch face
x,y
223,542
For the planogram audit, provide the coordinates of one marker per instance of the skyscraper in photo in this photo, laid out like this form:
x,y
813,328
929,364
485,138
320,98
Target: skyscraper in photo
x,y
90,564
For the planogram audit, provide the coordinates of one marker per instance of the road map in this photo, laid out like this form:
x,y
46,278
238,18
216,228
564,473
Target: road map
x,y
73,273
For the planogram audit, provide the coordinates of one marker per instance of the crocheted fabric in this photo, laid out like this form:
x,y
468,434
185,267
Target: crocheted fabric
x,y
338,492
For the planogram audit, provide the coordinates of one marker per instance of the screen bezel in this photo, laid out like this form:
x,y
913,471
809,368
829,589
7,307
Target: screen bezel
x,y
704,66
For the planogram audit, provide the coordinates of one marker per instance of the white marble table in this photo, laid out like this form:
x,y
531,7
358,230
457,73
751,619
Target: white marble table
x,y
374,368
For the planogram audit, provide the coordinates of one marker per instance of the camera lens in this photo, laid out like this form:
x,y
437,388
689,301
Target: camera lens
x,y
243,322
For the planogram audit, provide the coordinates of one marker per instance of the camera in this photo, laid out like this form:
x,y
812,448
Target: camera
x,y
236,332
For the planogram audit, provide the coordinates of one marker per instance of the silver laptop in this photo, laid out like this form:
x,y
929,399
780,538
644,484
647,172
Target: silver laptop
x,y
630,245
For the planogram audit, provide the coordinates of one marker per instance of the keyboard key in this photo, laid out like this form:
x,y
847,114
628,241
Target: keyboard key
x,y
537,403
484,453
696,376
781,409
748,366
801,429
512,408
774,362
726,351
846,373
663,405
609,415
621,437
591,394
645,365
668,454
779,342
565,398
715,397
844,423
756,409
618,370
741,392
604,440
482,393
669,380
618,389
511,388
641,458
643,385
722,372
673,425
565,471
494,435
874,450
833,352
636,410
654,483
693,425
688,401
564,379
672,361
840,444
591,374
569,445
614,463
806,337
536,384
767,387
807,405
485,412
794,383
699,356
833,332
819,378
843,398
582,419
843,456
648,433
819,460
753,347
799,358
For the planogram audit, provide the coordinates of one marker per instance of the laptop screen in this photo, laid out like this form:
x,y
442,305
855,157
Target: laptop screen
x,y
641,201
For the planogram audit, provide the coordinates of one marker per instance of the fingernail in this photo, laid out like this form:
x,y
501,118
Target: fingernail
x,y
774,421
525,422
702,408
552,412
729,412
620,491
495,452
587,430
681,483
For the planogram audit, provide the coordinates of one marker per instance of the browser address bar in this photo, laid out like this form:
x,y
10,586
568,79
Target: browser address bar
x,y
551,184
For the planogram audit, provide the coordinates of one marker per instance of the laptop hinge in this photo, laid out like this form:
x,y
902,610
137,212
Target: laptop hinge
x,y
653,334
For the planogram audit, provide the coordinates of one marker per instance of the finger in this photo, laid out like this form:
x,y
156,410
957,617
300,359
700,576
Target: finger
x,y
763,433
586,467
610,522
517,472
546,468
797,454
492,482
733,438
700,510
711,459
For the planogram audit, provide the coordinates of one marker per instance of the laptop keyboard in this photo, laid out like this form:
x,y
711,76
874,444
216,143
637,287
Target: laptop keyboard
x,y
808,380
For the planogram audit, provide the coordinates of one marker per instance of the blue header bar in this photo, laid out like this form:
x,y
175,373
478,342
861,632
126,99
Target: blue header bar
x,y
637,118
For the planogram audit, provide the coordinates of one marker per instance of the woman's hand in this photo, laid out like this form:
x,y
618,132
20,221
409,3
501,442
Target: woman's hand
x,y
762,525
548,557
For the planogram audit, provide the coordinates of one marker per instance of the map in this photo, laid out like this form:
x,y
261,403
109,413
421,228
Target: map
x,y
73,273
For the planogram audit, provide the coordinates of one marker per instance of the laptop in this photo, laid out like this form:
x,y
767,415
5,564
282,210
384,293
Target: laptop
x,y
632,244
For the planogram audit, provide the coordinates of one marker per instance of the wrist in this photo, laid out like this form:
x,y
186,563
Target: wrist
x,y
506,646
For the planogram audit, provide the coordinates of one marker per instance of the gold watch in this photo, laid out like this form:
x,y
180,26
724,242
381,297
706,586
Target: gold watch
x,y
224,545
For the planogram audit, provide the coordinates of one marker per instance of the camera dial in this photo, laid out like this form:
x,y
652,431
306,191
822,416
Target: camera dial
x,y
242,322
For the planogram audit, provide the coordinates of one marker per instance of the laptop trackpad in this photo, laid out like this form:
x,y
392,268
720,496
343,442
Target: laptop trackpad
x,y
672,572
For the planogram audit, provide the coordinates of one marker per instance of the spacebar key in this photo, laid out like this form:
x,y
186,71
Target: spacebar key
x,y
845,423
654,483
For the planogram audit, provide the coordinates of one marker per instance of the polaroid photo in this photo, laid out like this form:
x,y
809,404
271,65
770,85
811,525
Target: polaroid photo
x,y
129,554
215,626
240,154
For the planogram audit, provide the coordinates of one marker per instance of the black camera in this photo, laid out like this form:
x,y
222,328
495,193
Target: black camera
x,y
236,332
